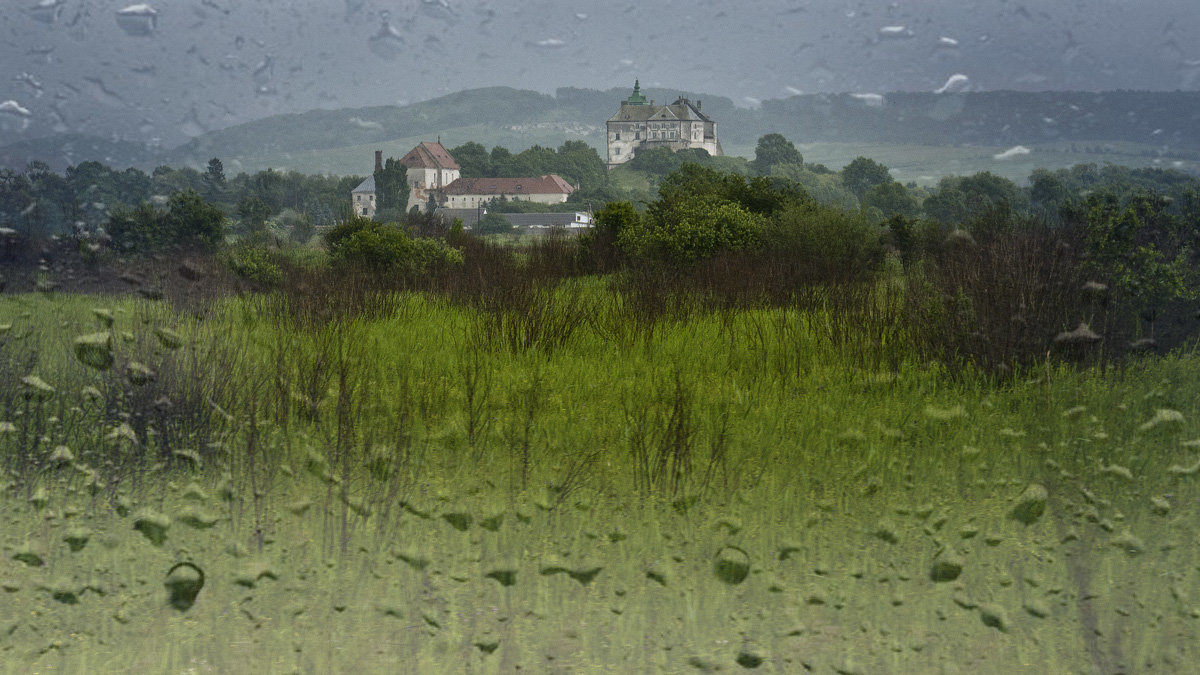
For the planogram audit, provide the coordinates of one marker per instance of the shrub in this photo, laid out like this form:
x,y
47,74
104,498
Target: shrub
x,y
827,244
493,223
365,246
253,263
188,220
692,230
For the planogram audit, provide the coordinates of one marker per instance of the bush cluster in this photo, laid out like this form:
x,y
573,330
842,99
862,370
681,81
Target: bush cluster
x,y
187,221
362,245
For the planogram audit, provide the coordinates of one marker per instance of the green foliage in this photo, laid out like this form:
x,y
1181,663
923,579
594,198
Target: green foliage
x,y
136,229
493,223
615,218
269,187
391,186
473,160
891,198
826,187
701,212
661,161
759,194
1143,249
1048,193
299,226
772,150
862,174
959,198
827,242
214,180
253,262
363,245
188,221
947,204
253,213
693,229
576,161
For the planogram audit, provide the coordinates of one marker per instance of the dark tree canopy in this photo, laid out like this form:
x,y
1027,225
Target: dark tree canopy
x,y
774,149
862,174
892,199
391,186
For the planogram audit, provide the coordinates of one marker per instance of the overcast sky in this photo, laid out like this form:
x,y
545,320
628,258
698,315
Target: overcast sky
x,y
173,69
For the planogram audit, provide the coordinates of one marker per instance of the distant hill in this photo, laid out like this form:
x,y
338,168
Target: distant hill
x,y
492,116
341,141
1170,120
64,150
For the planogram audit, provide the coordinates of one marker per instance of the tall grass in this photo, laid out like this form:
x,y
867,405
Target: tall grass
x,y
503,466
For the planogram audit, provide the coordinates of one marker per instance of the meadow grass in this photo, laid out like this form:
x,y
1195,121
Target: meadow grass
x,y
574,485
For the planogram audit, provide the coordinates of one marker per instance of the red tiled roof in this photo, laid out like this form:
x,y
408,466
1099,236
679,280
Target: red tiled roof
x,y
541,185
429,155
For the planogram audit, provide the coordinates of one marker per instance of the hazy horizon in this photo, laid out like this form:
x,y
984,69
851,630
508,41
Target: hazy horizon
x,y
164,73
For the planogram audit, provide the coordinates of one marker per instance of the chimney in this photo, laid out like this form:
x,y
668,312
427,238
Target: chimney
x,y
378,161
697,104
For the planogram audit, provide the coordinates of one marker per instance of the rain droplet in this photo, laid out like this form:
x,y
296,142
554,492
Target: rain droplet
x,y
46,11
138,20
388,43
1015,151
895,32
956,83
11,107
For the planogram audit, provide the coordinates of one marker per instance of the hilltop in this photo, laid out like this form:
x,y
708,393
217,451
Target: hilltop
x,y
1130,127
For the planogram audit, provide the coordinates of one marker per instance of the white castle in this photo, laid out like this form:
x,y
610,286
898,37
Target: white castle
x,y
639,124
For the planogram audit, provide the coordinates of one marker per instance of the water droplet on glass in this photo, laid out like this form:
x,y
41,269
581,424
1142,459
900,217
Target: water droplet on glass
x,y
138,20
873,100
11,107
895,32
439,9
956,83
388,43
46,11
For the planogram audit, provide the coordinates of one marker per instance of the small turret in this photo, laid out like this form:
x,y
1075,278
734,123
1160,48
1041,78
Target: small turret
x,y
636,98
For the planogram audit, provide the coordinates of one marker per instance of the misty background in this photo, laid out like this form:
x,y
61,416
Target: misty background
x,y
163,73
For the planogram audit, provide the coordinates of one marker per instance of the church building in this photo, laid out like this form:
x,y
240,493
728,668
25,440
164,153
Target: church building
x,y
639,125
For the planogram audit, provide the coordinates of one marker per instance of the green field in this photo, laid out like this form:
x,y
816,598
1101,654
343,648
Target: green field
x,y
924,164
578,490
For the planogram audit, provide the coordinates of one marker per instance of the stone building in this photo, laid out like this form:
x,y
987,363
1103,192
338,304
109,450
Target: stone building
x,y
469,193
434,179
430,168
363,198
639,125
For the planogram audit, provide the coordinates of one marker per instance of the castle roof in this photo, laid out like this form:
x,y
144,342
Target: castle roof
x,y
681,109
636,98
429,155
541,185
367,185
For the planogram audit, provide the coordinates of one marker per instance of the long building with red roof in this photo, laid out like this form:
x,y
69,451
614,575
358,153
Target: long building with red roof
x,y
469,193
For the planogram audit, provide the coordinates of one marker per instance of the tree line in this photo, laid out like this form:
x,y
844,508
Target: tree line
x,y
39,202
